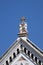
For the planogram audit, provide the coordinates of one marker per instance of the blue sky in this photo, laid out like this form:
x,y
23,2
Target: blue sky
x,y
10,12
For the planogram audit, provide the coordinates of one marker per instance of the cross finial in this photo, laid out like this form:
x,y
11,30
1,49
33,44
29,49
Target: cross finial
x,y
23,18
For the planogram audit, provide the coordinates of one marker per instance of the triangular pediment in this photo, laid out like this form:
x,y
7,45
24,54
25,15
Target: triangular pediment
x,y
21,59
28,49
26,43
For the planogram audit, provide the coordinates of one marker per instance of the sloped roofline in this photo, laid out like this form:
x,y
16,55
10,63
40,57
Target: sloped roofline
x,y
31,43
35,46
25,40
14,43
